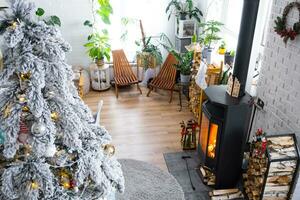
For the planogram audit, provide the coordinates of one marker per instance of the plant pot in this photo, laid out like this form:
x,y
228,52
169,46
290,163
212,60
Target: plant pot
x,y
100,62
222,51
182,16
208,56
228,59
185,79
206,51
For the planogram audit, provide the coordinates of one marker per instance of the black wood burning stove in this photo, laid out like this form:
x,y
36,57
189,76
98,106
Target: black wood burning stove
x,y
223,133
226,119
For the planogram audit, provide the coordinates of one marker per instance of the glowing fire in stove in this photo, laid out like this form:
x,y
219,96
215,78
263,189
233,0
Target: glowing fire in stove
x,y
212,142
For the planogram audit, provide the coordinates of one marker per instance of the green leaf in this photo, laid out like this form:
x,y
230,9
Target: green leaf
x,y
40,12
55,20
88,23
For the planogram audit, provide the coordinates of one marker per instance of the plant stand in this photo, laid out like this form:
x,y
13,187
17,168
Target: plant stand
x,y
100,77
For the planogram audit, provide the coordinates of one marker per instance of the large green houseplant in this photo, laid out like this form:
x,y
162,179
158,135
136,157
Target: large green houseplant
x,y
209,35
184,64
150,54
182,10
98,44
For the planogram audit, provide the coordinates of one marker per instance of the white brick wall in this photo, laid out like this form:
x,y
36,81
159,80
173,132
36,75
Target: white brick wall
x,y
279,82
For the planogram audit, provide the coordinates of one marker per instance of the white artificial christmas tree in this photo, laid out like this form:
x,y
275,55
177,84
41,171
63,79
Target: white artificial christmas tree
x,y
49,146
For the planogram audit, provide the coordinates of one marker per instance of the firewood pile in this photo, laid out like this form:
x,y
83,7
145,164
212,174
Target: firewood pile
x,y
208,177
226,194
273,163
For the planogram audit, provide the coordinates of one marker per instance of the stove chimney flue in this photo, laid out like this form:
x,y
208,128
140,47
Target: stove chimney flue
x,y
244,47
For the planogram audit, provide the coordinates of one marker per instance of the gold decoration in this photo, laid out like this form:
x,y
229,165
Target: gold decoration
x,y
25,109
66,185
13,25
25,76
34,185
54,116
7,110
109,149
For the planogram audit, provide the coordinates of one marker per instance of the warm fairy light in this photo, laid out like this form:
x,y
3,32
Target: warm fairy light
x,y
34,185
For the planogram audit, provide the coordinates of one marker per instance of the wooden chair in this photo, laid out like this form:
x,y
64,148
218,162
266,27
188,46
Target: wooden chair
x,y
123,74
166,78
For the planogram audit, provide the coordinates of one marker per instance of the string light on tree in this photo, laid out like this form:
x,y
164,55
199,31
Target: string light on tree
x,y
34,185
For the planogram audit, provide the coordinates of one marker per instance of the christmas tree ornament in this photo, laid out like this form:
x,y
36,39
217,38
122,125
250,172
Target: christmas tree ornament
x,y
2,137
54,116
24,133
31,160
38,129
25,76
34,185
7,110
109,149
22,99
25,109
72,183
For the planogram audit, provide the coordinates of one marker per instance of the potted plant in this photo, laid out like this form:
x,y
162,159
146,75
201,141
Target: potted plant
x,y
99,47
184,65
98,44
229,57
182,10
209,36
222,48
150,55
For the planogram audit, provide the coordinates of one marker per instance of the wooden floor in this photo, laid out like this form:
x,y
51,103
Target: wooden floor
x,y
142,128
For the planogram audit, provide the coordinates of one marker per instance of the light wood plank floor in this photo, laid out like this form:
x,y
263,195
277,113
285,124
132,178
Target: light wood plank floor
x,y
142,128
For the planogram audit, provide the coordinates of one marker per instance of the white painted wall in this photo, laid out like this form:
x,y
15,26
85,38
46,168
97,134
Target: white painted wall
x,y
74,12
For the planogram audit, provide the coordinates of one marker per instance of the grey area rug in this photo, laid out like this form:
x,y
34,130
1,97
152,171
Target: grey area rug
x,y
177,167
144,181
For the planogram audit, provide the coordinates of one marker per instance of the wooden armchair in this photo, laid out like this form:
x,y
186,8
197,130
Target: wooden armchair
x,y
123,74
166,78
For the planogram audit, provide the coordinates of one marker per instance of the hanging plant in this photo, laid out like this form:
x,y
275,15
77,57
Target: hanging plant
x,y
281,26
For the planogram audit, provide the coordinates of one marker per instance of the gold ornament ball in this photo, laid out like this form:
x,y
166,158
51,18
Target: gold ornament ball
x,y
54,116
109,149
34,185
25,76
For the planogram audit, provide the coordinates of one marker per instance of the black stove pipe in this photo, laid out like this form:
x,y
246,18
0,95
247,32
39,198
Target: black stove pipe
x,y
244,47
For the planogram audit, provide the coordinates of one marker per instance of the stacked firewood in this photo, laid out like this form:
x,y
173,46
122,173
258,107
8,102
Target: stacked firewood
x,y
209,177
226,194
270,176
194,94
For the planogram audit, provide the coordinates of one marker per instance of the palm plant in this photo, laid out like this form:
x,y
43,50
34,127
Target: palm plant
x,y
183,9
210,32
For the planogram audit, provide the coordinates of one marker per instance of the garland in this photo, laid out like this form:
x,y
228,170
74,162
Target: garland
x,y
281,27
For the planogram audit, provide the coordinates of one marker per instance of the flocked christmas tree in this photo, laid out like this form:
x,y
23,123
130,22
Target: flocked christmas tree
x,y
50,149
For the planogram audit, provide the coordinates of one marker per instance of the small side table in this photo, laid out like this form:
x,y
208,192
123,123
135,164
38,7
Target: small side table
x,y
100,77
